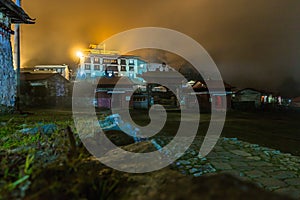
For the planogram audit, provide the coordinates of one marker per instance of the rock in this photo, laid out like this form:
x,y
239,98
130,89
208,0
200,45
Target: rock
x,y
238,163
221,166
277,152
254,158
271,183
240,153
188,167
293,181
203,159
198,174
193,170
260,164
184,162
254,174
283,175
254,145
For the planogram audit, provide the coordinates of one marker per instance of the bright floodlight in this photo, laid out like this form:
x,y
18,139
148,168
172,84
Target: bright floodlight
x,y
79,54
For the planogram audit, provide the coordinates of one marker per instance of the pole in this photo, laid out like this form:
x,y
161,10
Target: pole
x,y
17,59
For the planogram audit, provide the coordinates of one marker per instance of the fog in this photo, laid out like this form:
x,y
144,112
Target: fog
x,y
254,43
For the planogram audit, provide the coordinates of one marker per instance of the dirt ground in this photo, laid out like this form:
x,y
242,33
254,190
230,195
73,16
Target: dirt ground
x,y
40,166
278,130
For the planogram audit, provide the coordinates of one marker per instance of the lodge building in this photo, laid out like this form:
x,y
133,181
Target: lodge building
x,y
97,62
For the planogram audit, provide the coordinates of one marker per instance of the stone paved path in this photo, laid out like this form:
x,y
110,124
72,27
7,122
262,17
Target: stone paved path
x,y
268,168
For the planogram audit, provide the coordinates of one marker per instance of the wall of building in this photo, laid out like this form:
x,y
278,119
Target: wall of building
x,y
52,92
249,96
97,65
7,73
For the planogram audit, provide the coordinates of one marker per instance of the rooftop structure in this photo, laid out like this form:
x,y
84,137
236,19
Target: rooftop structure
x,y
13,13
61,69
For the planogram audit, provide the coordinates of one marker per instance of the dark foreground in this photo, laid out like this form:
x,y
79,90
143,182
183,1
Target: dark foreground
x,y
52,166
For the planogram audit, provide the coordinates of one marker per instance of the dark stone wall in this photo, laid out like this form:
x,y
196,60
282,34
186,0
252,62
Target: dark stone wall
x,y
7,73
53,92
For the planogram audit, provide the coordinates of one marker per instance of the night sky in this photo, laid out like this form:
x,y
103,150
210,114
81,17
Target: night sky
x,y
254,43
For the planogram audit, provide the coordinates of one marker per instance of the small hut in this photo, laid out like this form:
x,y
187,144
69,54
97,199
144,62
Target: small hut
x,y
213,95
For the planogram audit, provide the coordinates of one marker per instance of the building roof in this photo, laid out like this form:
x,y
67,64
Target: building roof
x,y
296,99
35,76
51,66
214,84
154,76
15,13
251,89
129,56
122,82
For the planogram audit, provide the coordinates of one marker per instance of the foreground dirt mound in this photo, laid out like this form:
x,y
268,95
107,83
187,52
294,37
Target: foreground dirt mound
x,y
119,138
221,186
89,179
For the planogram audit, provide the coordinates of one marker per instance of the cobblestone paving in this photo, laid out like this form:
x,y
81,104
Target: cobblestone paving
x,y
268,168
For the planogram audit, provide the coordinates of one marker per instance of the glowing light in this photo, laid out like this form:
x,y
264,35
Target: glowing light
x,y
79,54
110,74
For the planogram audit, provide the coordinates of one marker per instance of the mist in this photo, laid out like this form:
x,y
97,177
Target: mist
x,y
254,43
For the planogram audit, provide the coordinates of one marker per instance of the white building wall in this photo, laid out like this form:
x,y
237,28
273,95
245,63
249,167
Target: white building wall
x,y
61,69
118,64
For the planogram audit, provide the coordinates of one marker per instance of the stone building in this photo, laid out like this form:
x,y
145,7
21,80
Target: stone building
x,y
107,87
10,14
45,89
210,96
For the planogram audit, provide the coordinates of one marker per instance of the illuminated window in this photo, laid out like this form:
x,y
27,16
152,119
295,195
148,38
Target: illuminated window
x,y
123,68
110,61
87,67
96,60
96,67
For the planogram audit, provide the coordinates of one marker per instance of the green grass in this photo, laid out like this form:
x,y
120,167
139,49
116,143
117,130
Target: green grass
x,y
39,166
22,153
